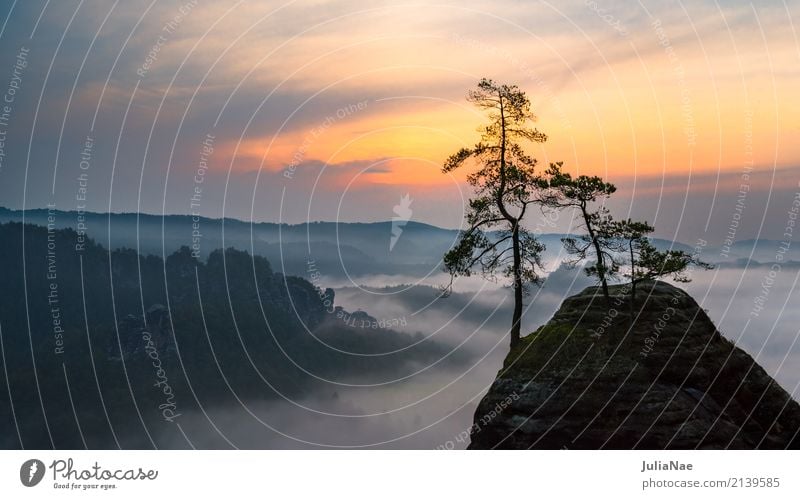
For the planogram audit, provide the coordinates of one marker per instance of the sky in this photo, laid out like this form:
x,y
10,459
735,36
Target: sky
x,y
335,110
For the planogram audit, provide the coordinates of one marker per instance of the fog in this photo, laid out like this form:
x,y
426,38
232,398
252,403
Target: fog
x,y
769,335
433,408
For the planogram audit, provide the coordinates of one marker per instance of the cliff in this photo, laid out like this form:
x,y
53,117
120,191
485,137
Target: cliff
x,y
589,380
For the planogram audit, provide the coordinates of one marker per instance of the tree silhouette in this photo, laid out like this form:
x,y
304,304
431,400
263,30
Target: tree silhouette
x,y
580,193
632,236
653,263
505,185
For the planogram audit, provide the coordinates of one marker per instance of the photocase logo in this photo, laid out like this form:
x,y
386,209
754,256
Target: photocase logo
x,y
402,212
31,472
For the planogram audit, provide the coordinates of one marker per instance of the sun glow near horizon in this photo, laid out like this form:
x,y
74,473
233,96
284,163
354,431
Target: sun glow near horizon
x,y
374,98
655,101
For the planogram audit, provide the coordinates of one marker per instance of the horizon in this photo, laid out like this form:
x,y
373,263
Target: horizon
x,y
350,222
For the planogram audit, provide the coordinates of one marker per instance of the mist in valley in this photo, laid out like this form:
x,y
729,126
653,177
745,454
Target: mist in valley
x,y
434,407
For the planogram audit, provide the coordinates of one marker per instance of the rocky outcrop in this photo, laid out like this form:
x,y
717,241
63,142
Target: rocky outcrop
x,y
137,335
592,378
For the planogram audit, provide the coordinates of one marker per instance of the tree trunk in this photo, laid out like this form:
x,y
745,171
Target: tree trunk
x,y
633,282
601,272
517,266
517,318
601,266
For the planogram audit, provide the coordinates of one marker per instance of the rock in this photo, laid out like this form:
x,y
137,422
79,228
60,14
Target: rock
x,y
131,330
588,380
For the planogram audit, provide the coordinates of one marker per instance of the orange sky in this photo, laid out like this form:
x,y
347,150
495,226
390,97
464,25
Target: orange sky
x,y
620,91
371,98
649,102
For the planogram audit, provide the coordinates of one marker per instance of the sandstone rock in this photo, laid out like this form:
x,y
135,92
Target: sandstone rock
x,y
589,380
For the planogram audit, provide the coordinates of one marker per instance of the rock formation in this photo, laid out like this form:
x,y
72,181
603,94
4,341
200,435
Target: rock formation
x,y
592,378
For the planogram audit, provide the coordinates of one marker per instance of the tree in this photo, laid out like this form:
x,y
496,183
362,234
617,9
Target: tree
x,y
505,185
653,263
580,192
632,236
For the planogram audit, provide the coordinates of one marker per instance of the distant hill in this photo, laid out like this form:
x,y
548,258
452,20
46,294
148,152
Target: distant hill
x,y
334,249
337,249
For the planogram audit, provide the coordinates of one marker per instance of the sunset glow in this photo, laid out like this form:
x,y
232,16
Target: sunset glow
x,y
373,98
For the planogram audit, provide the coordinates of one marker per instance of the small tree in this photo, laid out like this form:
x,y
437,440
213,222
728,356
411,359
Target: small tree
x,y
653,263
580,193
505,184
632,235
